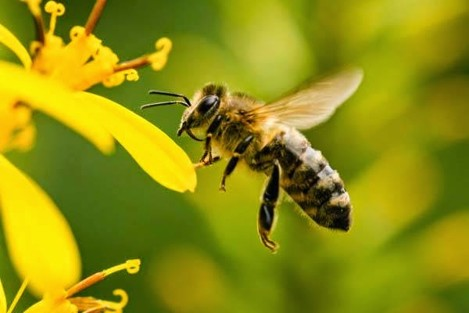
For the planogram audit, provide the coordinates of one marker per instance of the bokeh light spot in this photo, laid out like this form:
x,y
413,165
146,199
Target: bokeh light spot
x,y
187,280
444,250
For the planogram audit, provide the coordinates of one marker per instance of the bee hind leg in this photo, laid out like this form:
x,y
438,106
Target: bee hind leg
x,y
239,150
266,218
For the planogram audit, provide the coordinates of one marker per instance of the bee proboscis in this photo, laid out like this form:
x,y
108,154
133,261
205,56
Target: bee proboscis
x,y
266,138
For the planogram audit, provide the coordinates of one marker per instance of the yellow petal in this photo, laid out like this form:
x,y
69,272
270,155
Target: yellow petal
x,y
54,99
52,307
12,43
39,240
53,303
3,299
151,148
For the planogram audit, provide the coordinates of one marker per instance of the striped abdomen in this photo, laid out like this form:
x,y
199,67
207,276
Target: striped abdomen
x,y
312,183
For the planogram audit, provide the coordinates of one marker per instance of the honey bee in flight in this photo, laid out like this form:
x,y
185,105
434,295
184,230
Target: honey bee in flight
x,y
266,138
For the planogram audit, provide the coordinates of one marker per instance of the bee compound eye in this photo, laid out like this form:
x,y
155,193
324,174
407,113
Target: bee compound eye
x,y
207,103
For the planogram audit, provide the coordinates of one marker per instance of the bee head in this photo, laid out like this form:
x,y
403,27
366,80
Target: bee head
x,y
206,103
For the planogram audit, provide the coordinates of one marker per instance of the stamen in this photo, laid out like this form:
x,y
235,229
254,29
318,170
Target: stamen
x,y
85,283
34,8
54,9
117,306
132,64
157,60
94,16
35,47
132,267
93,305
131,75
18,296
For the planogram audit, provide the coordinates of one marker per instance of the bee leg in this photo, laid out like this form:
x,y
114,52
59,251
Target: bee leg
x,y
239,150
266,218
204,163
212,128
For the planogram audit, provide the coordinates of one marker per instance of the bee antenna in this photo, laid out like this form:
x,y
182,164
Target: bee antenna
x,y
150,105
186,102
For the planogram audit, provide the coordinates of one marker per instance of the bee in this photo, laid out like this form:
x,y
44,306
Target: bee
x,y
266,137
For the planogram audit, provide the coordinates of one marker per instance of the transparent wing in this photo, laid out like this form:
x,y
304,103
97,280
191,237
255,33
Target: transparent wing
x,y
314,104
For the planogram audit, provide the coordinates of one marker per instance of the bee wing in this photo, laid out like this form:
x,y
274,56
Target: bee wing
x,y
314,104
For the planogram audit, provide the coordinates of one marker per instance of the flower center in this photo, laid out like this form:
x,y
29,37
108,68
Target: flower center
x,y
84,61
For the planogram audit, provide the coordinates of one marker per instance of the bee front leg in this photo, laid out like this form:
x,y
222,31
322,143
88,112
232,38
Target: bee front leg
x,y
266,218
204,163
239,150
212,128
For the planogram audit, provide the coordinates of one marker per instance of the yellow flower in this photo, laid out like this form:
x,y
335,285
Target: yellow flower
x,y
60,300
53,81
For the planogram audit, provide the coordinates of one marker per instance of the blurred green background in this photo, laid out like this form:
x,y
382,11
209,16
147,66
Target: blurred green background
x,y
400,144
